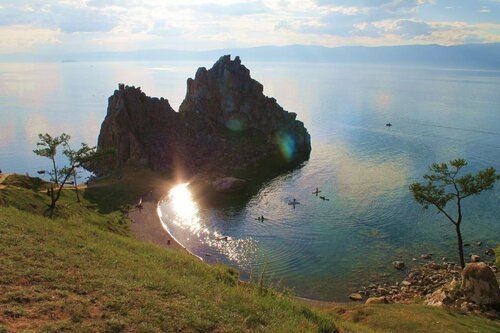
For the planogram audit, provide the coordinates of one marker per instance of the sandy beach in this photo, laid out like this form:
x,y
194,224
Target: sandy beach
x,y
146,224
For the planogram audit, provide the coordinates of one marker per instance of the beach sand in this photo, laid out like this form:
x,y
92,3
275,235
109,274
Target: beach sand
x,y
146,224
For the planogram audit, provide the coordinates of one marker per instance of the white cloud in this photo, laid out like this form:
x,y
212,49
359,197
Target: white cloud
x,y
18,38
409,28
94,25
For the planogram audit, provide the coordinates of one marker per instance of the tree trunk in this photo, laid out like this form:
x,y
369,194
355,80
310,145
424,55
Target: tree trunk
x,y
59,190
52,198
76,188
55,171
52,201
460,246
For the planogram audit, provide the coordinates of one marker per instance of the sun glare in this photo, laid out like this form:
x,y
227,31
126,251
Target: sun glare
x,y
183,206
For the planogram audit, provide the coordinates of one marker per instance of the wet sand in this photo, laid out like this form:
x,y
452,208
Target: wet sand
x,y
146,224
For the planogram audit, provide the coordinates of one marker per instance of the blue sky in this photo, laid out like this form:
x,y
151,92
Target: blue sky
x,y
116,25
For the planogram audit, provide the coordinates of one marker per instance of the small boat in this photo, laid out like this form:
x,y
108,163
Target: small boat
x,y
323,198
388,124
41,172
225,238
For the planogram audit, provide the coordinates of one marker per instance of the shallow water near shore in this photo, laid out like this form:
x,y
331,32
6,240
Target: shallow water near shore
x,y
324,249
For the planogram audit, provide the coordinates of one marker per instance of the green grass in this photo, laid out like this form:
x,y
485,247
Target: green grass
x,y
70,273
409,318
81,271
123,188
65,274
24,194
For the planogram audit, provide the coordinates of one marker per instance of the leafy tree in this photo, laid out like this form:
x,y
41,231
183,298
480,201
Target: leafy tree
x,y
49,146
76,158
443,185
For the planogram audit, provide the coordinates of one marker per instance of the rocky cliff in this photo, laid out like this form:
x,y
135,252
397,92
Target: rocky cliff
x,y
224,123
142,131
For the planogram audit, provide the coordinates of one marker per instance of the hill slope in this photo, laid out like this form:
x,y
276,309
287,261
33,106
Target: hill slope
x,y
82,272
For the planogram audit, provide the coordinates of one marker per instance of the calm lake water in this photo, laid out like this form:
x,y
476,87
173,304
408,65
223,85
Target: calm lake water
x,y
322,249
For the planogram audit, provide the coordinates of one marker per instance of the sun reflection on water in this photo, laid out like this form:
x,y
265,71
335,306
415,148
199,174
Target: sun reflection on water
x,y
181,211
184,208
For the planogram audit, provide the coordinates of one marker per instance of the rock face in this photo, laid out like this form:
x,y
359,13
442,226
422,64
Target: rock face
x,y
141,130
225,122
479,284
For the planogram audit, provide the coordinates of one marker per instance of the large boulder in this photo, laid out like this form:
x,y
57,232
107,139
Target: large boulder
x,y
228,184
479,284
224,123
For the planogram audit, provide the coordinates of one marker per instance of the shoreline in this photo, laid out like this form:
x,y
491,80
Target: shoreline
x,y
146,224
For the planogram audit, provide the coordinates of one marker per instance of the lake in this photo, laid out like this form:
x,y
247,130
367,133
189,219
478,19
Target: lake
x,y
323,249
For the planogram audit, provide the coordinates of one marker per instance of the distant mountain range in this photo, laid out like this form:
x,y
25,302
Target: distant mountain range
x,y
485,56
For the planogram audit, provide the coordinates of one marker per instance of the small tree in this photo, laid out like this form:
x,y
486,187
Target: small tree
x,y
444,186
77,158
49,146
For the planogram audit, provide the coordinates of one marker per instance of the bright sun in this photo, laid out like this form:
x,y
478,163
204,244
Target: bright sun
x,y
182,202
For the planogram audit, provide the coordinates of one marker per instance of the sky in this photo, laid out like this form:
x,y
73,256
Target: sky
x,y
43,26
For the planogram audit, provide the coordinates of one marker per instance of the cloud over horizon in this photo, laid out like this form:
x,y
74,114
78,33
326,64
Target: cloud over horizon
x,y
118,25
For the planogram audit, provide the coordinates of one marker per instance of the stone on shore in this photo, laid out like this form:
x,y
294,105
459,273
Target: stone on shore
x,y
489,252
475,258
446,295
356,297
480,284
398,264
377,300
228,184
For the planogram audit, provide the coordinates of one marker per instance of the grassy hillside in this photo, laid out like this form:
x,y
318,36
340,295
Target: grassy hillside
x,y
82,272
72,274
413,318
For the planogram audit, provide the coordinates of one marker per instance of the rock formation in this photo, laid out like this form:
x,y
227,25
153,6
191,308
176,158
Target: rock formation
x,y
141,130
224,123
480,284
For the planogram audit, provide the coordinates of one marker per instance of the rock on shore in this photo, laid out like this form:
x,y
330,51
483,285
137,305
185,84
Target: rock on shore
x,y
480,284
224,123
473,289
